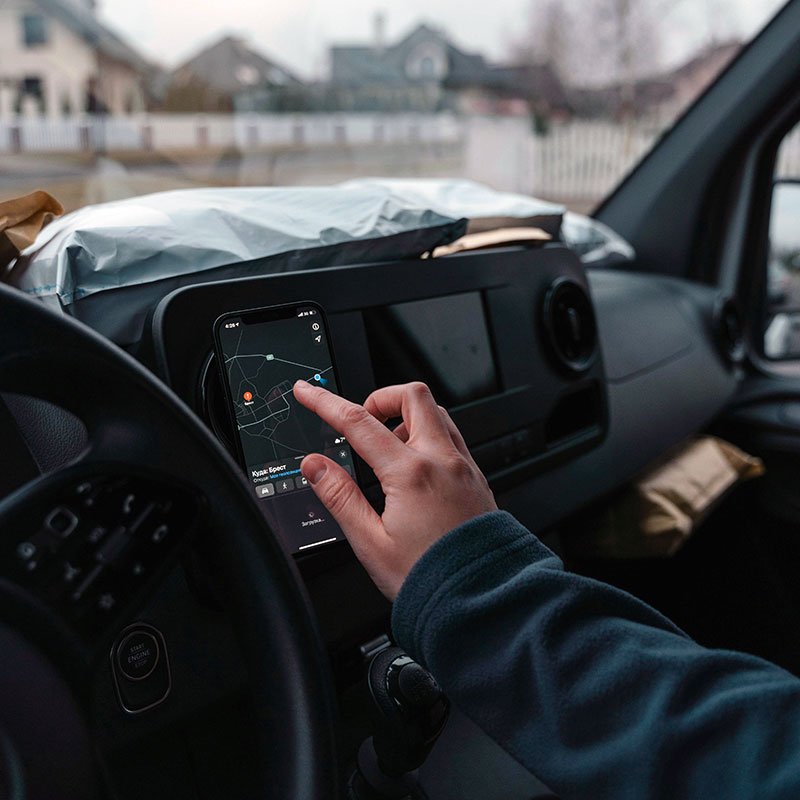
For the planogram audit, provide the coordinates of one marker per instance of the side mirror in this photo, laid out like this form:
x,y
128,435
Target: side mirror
x,y
782,334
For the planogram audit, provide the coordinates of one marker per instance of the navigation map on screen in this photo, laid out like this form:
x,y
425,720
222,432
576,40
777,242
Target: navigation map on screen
x,y
264,353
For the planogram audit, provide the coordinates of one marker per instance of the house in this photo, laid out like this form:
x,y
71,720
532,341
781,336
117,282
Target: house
x,y
661,97
427,72
227,76
56,59
690,79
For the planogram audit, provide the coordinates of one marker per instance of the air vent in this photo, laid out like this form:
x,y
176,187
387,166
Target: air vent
x,y
729,330
570,325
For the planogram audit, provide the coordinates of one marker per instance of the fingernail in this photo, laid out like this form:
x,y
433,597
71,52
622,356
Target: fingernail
x,y
314,472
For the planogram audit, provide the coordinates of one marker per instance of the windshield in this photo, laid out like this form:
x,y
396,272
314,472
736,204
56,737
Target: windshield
x,y
552,98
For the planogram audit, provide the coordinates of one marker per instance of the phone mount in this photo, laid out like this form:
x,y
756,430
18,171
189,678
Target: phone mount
x,y
409,713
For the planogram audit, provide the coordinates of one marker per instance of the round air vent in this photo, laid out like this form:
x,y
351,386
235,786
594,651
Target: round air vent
x,y
570,325
213,403
729,329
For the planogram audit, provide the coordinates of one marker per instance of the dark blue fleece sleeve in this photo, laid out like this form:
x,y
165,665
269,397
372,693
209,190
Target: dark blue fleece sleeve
x,y
592,690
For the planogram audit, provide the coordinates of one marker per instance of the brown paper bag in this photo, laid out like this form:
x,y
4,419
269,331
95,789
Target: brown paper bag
x,y
656,515
21,220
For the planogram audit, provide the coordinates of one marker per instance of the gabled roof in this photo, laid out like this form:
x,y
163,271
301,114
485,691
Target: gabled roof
x,y
369,65
229,66
82,21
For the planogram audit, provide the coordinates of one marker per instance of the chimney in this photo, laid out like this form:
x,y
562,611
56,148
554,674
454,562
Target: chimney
x,y
379,31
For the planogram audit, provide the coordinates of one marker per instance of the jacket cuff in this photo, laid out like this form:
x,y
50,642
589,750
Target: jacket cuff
x,y
489,548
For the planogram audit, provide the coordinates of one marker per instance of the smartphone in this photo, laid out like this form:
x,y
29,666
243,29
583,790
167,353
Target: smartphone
x,y
262,353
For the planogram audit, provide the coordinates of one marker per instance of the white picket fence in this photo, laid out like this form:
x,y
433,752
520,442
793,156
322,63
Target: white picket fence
x,y
162,132
580,160
587,159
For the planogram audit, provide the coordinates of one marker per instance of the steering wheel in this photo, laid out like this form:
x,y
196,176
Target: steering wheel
x,y
83,548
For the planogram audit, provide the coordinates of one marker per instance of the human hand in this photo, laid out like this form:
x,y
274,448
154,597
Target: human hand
x,y
427,474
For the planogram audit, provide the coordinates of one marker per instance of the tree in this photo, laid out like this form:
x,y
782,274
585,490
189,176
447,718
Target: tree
x,y
593,41
549,37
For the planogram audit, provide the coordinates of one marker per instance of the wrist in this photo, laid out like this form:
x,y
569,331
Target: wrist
x,y
492,545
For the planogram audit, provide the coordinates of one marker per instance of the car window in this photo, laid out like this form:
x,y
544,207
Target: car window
x,y
552,98
782,318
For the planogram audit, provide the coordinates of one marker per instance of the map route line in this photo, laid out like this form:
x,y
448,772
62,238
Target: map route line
x,y
274,358
278,397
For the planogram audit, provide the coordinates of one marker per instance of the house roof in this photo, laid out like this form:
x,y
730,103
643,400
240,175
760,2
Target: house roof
x,y
361,65
649,92
229,66
81,20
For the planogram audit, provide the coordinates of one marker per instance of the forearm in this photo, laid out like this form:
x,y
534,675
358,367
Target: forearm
x,y
592,690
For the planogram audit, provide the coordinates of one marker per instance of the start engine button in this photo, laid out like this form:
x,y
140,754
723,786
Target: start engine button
x,y
137,655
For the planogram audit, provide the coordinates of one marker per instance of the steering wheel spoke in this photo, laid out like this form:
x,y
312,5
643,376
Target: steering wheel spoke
x,y
88,542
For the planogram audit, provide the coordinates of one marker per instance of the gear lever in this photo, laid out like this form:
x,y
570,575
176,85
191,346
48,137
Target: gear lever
x,y
409,713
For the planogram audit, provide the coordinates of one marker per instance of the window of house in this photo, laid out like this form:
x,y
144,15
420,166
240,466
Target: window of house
x,y
427,68
32,87
34,30
30,96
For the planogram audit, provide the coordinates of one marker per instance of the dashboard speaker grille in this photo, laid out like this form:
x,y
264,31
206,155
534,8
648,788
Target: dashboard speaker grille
x,y
570,324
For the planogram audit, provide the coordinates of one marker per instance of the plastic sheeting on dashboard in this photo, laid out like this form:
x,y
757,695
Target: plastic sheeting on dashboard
x,y
110,264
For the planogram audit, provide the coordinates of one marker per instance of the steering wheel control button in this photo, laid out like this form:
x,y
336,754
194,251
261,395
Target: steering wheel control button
x,y
140,665
106,602
87,546
159,534
61,521
137,655
128,504
26,551
70,573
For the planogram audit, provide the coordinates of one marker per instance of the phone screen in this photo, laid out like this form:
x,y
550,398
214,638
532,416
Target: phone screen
x,y
262,353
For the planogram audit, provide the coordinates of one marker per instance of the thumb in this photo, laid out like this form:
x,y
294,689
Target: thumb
x,y
340,494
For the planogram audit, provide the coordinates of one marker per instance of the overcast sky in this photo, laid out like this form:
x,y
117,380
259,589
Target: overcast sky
x,y
297,32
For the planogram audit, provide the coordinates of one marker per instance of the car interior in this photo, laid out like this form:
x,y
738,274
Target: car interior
x,y
575,380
